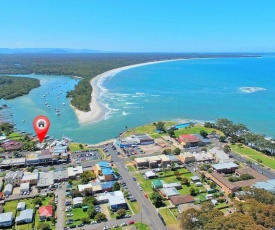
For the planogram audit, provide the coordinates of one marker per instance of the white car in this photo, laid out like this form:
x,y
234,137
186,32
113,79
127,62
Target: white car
x,y
94,222
123,224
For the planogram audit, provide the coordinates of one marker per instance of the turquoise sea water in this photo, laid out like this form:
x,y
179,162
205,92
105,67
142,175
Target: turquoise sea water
x,y
200,89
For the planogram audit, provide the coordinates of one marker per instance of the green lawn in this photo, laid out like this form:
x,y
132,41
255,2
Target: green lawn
x,y
134,206
37,222
142,226
11,206
194,130
75,147
78,214
175,211
149,128
169,219
222,205
16,136
254,155
131,168
24,227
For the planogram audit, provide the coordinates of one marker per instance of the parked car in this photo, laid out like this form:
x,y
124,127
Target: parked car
x,y
80,225
123,224
69,214
73,226
127,216
131,222
134,179
94,222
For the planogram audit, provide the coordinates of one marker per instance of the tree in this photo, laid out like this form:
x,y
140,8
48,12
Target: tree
x,y
52,220
88,191
120,213
37,201
91,212
177,151
202,177
177,174
259,161
85,220
100,217
70,181
31,168
156,199
87,176
189,219
171,133
81,146
207,206
213,185
222,138
75,193
203,133
89,201
116,186
226,149
166,151
192,192
160,126
44,226
184,180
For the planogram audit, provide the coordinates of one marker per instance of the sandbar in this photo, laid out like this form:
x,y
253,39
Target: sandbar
x,y
98,110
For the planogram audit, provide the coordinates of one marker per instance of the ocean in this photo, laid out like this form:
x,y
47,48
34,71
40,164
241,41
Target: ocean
x,y
240,89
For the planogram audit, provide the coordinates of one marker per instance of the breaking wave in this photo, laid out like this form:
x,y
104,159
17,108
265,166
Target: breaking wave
x,y
251,89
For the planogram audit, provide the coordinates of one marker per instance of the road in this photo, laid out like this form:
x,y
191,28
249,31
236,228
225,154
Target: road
x,y
60,207
266,172
148,210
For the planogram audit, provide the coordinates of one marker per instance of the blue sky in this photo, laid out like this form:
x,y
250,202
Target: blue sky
x,y
140,26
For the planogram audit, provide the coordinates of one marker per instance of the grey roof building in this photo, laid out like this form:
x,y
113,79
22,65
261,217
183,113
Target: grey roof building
x,y
25,187
21,206
45,179
26,216
6,219
60,175
8,189
14,178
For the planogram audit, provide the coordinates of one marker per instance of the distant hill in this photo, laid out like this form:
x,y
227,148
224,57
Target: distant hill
x,y
46,50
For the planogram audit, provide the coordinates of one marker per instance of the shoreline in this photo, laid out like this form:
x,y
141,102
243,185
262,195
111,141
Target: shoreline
x,y
98,110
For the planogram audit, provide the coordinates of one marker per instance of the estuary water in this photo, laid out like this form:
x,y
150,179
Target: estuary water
x,y
240,89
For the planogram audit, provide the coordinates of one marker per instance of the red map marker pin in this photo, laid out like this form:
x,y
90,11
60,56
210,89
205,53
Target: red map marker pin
x,y
41,125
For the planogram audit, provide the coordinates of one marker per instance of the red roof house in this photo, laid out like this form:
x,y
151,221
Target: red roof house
x,y
182,199
45,212
189,140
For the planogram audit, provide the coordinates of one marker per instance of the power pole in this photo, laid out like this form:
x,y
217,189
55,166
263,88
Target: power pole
x,y
141,217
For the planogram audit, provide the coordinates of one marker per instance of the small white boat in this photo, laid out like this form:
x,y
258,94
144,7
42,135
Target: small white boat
x,y
63,103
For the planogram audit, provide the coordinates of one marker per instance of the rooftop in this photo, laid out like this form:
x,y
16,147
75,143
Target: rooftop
x,y
45,179
46,211
73,171
13,175
5,217
115,200
227,165
107,171
25,214
30,176
169,191
103,164
182,199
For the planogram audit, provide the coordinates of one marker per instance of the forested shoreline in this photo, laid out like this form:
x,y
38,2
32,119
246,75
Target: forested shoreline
x,y
12,87
85,66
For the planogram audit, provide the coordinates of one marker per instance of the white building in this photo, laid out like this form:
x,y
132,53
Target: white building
x,y
74,171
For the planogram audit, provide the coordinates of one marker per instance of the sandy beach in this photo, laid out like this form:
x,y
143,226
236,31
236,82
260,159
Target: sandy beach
x,y
98,110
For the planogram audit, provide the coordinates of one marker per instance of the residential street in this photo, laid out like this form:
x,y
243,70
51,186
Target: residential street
x,y
148,210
